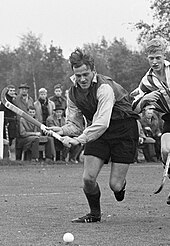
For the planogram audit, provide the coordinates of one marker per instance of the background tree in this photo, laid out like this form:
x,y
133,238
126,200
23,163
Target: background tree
x,y
53,67
161,19
7,58
28,64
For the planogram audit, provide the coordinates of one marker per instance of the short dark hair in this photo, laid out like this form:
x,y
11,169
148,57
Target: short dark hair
x,y
79,57
11,86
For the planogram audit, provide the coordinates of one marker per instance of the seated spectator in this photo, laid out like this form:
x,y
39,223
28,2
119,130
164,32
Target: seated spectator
x,y
150,125
44,107
54,121
147,144
30,137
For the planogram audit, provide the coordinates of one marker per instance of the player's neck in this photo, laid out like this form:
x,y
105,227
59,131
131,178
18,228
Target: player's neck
x,y
161,74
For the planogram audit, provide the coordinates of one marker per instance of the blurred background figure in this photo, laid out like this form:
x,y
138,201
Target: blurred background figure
x,y
54,121
44,106
10,129
58,99
22,101
151,127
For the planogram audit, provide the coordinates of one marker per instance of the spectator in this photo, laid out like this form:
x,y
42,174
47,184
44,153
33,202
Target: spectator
x,y
54,121
30,136
58,99
146,144
22,101
9,116
44,107
150,125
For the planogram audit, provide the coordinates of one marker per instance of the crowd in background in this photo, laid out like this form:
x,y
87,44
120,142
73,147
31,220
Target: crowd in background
x,y
25,137
51,111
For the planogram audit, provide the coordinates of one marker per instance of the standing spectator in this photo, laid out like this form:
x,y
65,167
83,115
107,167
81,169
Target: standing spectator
x,y
44,106
58,99
22,101
9,116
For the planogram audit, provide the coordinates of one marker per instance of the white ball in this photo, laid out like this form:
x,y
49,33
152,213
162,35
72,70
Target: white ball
x,y
68,237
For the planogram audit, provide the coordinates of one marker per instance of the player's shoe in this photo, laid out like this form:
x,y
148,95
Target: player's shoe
x,y
88,218
120,195
168,200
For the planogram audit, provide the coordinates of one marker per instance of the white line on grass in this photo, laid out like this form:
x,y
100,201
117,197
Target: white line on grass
x,y
37,194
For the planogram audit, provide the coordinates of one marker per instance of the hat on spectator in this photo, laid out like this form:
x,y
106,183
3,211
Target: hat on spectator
x,y
59,107
58,86
42,90
24,85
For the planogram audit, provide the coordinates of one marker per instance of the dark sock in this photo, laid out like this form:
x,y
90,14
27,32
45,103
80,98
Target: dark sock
x,y
94,201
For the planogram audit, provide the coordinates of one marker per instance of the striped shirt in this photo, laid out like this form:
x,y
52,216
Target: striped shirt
x,y
150,82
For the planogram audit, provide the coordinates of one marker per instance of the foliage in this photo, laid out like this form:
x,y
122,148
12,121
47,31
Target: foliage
x,y
42,66
160,26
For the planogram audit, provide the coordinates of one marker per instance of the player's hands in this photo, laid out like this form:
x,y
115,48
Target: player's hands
x,y
141,140
152,96
67,141
54,128
147,128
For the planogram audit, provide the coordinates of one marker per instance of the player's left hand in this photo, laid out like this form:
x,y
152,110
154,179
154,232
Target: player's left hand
x,y
67,141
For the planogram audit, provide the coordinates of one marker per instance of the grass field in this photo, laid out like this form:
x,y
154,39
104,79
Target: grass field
x,y
37,204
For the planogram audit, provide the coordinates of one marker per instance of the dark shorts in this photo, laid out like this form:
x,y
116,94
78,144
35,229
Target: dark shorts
x,y
166,125
118,143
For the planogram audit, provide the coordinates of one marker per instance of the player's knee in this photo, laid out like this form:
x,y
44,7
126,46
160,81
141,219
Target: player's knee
x,y
115,186
164,154
89,183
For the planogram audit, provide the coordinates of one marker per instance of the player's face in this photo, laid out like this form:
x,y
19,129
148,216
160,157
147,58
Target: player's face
x,y
84,76
156,60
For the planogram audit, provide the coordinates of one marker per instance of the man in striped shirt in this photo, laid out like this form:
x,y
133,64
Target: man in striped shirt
x,y
154,89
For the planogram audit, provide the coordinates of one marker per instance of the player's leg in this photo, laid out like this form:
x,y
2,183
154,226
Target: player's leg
x,y
165,150
165,145
92,167
123,152
118,179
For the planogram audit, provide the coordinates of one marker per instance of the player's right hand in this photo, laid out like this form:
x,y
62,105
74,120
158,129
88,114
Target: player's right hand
x,y
152,96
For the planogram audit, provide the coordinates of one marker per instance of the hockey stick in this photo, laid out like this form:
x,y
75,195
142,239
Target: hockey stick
x,y
26,116
165,174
